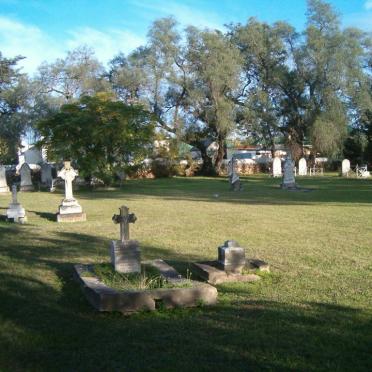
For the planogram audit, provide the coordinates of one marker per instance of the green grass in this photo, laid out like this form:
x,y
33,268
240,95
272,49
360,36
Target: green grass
x,y
313,312
149,278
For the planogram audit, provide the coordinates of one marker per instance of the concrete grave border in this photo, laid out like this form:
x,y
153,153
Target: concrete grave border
x,y
104,298
213,273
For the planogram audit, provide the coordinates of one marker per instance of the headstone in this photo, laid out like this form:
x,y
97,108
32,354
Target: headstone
x,y
26,181
46,175
15,211
234,179
277,167
289,181
231,257
69,210
302,167
3,185
345,167
125,253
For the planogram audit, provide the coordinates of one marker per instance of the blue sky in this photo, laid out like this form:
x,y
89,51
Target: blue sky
x,y
43,30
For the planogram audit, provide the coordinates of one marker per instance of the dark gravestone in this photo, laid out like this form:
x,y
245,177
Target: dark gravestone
x,y
125,253
231,257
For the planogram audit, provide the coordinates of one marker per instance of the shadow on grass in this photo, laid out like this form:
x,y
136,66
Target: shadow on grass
x,y
47,324
46,215
257,190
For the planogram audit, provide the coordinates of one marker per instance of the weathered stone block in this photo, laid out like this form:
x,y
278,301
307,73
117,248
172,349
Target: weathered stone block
x,y
210,272
125,256
231,257
16,213
71,217
104,298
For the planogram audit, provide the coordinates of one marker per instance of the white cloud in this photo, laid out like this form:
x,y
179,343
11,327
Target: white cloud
x,y
105,44
368,4
17,38
29,41
184,14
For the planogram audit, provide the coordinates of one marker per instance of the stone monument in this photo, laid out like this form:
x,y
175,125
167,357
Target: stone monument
x,y
231,257
234,179
15,211
69,210
46,175
289,181
3,185
277,167
26,181
345,167
125,253
302,167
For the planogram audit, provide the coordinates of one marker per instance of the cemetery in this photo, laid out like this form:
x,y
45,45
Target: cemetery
x,y
185,186
299,277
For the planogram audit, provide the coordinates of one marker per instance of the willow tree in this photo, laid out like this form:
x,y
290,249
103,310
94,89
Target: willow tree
x,y
214,66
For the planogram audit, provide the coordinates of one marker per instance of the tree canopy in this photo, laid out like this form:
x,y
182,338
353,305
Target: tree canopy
x,y
100,134
267,83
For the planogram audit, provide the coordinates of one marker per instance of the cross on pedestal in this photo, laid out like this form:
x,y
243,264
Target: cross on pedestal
x,y
124,218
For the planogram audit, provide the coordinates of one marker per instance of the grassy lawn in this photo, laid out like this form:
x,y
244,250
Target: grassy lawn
x,y
313,312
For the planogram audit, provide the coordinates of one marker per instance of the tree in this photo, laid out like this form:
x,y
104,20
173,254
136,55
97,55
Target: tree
x,y
13,98
99,134
77,75
214,67
154,75
266,52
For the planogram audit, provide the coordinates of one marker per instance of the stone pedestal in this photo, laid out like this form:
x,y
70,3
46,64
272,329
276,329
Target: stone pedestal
x,y
4,189
125,256
16,213
231,257
70,211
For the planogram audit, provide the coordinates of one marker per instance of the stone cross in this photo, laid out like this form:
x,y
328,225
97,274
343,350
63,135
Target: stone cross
x,y
124,218
68,174
14,194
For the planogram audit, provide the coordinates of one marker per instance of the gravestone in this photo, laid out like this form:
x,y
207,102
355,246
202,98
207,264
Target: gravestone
x,y
277,167
46,175
234,179
26,181
69,210
15,211
345,167
302,167
125,253
289,181
3,185
231,257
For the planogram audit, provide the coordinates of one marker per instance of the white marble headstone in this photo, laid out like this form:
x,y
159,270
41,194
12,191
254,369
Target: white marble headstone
x,y
26,181
289,181
69,210
345,167
3,185
302,167
277,167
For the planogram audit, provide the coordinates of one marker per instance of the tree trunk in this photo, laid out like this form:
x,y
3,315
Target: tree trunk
x,y
220,153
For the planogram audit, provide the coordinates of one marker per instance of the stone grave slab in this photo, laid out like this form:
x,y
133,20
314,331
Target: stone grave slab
x,y
104,298
231,266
